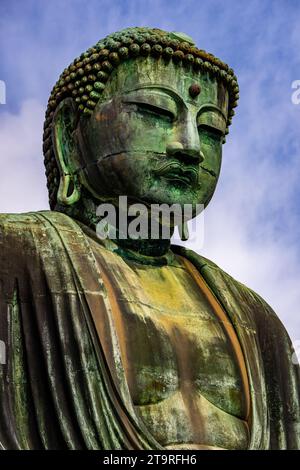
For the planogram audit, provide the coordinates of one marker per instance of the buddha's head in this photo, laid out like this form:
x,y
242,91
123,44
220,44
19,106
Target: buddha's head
x,y
143,113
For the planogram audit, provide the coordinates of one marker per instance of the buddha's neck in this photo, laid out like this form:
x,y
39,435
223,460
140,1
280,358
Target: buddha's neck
x,y
141,249
146,247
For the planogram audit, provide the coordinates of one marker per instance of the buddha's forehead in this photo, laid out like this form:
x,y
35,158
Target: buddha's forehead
x,y
149,73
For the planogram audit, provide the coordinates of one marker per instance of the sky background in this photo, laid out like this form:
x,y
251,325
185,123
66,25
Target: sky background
x,y
252,225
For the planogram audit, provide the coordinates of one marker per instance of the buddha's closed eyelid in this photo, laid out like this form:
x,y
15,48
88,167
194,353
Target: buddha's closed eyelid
x,y
156,102
212,119
153,110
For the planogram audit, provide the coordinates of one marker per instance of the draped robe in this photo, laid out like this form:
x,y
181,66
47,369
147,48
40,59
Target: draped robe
x,y
62,383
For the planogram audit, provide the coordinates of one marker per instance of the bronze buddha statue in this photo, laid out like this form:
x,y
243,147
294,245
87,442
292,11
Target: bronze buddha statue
x,y
135,343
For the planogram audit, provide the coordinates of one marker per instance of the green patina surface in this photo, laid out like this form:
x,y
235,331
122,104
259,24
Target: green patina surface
x,y
135,344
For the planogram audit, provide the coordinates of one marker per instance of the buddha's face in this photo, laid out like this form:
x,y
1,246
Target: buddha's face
x,y
156,135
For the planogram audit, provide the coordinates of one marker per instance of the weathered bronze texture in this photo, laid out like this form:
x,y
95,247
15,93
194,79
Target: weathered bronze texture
x,y
135,343
85,78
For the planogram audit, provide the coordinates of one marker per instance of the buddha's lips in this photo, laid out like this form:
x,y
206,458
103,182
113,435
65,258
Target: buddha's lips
x,y
176,171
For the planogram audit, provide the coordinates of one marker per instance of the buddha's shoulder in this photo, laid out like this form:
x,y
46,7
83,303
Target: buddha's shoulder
x,y
23,225
17,221
30,219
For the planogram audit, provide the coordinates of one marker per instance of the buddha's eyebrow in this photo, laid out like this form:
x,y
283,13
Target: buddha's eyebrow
x,y
211,107
157,90
169,93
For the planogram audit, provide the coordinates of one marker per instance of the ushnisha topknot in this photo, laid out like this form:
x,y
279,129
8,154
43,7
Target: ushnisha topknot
x,y
84,80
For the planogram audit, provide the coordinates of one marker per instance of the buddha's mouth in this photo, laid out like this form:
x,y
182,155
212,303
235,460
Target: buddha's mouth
x,y
177,172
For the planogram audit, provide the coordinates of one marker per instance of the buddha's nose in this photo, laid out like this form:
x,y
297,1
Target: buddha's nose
x,y
186,144
185,154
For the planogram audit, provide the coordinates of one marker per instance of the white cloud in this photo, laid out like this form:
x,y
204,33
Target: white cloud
x,y
22,179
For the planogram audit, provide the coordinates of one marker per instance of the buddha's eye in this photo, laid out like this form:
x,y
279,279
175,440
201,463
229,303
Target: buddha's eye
x,y
211,131
212,124
156,111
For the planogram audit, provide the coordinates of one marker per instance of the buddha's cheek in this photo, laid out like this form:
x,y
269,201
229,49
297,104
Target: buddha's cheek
x,y
206,188
124,173
142,134
115,129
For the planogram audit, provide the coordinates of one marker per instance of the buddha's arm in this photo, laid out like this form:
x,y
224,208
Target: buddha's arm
x,y
16,251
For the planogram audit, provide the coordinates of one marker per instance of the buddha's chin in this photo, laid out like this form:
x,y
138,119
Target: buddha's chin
x,y
173,194
186,205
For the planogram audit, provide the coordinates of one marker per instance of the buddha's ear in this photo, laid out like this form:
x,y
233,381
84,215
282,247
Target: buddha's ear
x,y
65,147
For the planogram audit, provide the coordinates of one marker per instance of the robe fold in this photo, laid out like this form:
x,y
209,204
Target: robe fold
x,y
62,383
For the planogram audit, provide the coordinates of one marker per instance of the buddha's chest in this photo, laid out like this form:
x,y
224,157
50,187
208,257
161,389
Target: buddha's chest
x,y
182,367
183,352
184,378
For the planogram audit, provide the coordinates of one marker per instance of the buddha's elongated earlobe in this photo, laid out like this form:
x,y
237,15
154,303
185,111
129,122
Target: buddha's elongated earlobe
x,y
69,190
183,231
66,152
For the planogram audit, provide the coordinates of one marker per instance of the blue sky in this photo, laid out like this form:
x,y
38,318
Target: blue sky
x,y
252,226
